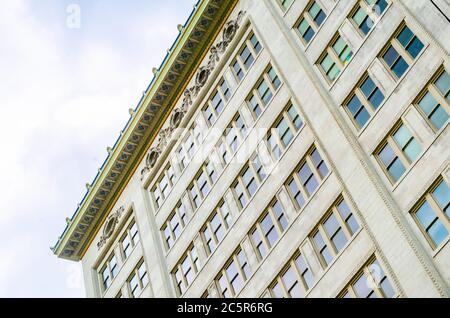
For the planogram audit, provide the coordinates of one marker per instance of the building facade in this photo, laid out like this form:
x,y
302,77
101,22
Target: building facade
x,y
295,148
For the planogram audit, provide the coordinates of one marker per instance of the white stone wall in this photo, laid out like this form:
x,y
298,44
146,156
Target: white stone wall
x,y
382,210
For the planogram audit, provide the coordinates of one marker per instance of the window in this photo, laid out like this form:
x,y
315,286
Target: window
x,y
270,226
398,152
174,225
165,183
433,213
336,56
233,276
370,282
306,179
217,102
248,181
365,13
401,52
283,131
364,101
216,227
264,91
138,280
333,232
434,102
189,146
285,4
246,57
129,239
232,138
294,281
202,184
310,21
109,271
185,271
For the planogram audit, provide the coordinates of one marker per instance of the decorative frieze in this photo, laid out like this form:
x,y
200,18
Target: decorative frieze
x,y
190,94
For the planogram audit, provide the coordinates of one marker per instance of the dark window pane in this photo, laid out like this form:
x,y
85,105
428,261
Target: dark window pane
x,y
400,67
415,47
405,36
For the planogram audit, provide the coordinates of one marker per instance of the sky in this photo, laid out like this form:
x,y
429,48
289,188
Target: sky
x,y
69,73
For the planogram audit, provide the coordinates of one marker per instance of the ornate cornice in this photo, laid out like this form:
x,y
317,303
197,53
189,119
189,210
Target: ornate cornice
x,y
144,125
191,93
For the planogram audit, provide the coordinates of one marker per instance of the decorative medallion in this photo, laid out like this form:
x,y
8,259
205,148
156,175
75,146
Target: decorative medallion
x,y
110,226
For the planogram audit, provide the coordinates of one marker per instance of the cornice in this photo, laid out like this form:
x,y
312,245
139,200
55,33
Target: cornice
x,y
143,127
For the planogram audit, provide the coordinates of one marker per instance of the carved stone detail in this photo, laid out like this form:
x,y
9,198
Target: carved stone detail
x,y
110,226
202,76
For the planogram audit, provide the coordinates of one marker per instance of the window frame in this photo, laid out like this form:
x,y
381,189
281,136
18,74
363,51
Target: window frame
x,y
268,211
254,93
240,181
329,51
305,15
298,273
440,215
401,51
133,242
431,88
274,133
171,181
223,223
240,271
195,183
168,225
306,159
389,140
223,141
135,273
223,99
237,59
179,268
320,228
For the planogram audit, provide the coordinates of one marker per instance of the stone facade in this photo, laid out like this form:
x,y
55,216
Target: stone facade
x,y
384,209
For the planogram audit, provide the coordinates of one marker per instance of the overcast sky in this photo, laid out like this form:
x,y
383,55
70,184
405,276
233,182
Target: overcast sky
x,y
64,97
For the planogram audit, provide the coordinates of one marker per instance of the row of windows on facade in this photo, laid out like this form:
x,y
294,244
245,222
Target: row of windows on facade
x,y
213,108
330,237
300,185
120,254
278,139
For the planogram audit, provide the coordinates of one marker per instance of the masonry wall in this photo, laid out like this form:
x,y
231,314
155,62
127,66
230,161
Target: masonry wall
x,y
387,229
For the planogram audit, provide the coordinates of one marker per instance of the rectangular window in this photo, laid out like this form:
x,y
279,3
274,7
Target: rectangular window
x,y
285,4
434,101
185,271
364,14
335,57
334,231
129,239
233,276
138,280
270,226
248,181
294,281
364,101
217,102
307,178
232,138
165,183
398,151
310,21
433,213
109,271
264,91
216,227
283,131
246,56
174,225
401,51
191,142
202,184
370,282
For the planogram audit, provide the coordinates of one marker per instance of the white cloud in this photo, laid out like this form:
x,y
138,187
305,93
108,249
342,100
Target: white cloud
x,y
61,105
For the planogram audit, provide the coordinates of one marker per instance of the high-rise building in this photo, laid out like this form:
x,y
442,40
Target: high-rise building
x,y
294,148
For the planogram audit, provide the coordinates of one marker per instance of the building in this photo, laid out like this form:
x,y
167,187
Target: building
x,y
284,148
